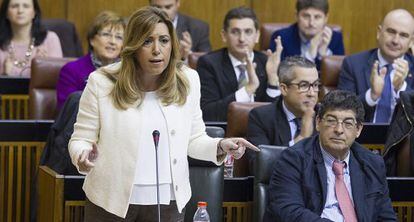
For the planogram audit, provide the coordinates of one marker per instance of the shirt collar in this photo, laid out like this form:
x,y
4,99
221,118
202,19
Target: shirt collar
x,y
329,159
175,21
235,62
381,59
290,116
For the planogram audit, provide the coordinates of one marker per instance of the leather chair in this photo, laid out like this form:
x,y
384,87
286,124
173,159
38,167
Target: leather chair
x,y
207,184
237,118
263,167
193,59
71,45
267,29
42,87
330,70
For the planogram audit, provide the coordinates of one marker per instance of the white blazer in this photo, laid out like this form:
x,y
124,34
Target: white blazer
x,y
109,184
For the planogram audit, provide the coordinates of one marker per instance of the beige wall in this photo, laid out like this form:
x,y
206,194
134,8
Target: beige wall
x,y
358,18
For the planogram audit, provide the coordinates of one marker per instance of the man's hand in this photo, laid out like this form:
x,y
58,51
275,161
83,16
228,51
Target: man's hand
x,y
86,159
401,71
236,146
377,81
307,123
185,45
254,82
324,41
314,45
273,62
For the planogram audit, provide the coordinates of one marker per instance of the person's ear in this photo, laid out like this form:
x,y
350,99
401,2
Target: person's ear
x,y
223,35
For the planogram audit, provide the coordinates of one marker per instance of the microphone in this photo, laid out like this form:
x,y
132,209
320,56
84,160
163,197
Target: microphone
x,y
156,138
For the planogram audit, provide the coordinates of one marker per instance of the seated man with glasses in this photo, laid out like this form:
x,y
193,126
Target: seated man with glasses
x,y
290,117
237,72
329,176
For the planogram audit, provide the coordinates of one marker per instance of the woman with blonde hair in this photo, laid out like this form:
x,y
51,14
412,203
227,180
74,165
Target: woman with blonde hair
x,y
121,106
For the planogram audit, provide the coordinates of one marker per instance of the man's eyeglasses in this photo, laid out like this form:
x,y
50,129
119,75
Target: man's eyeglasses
x,y
304,86
334,122
109,36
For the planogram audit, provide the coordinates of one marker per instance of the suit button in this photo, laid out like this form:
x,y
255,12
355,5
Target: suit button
x,y
172,132
175,161
176,188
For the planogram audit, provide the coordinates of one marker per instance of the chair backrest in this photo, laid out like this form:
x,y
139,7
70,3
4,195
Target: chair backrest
x,y
330,69
263,167
267,29
42,87
207,184
69,40
193,59
237,118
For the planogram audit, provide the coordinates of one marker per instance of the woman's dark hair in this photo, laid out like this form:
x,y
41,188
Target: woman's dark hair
x,y
38,32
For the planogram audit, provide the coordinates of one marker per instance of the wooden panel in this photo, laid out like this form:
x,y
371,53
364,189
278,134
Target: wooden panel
x,y
18,164
359,19
212,12
82,12
50,195
14,106
53,8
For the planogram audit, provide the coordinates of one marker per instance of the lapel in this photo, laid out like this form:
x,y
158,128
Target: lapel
x,y
410,78
228,72
357,184
181,25
368,66
296,42
281,123
320,167
171,114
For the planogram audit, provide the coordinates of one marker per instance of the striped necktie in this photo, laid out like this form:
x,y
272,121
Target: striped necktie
x,y
242,77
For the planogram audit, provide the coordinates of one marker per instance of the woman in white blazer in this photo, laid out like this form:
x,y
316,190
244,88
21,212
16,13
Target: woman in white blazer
x,y
121,106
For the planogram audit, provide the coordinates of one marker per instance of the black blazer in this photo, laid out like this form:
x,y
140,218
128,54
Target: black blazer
x,y
356,72
198,30
219,83
298,185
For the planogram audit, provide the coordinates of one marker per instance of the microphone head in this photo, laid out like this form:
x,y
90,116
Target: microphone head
x,y
156,137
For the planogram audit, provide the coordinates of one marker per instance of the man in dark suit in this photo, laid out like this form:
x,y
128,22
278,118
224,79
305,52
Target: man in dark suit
x,y
330,177
193,33
291,117
237,73
377,76
309,37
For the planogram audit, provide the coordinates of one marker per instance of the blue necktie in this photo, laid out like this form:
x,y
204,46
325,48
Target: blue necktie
x,y
384,104
298,123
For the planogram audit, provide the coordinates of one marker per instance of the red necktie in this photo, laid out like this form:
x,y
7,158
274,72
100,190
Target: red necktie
x,y
344,200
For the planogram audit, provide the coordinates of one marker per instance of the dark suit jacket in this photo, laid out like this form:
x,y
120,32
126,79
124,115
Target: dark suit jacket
x,y
219,83
355,76
291,42
267,125
298,185
198,30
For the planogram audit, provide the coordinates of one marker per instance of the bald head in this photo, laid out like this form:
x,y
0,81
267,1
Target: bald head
x,y
395,34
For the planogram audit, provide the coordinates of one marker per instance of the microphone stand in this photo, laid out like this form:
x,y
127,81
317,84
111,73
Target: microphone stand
x,y
155,135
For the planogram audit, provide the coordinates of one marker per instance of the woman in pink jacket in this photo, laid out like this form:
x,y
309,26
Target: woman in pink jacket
x,y
22,37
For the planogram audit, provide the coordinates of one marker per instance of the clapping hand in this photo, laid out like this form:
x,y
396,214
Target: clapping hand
x,y
273,62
